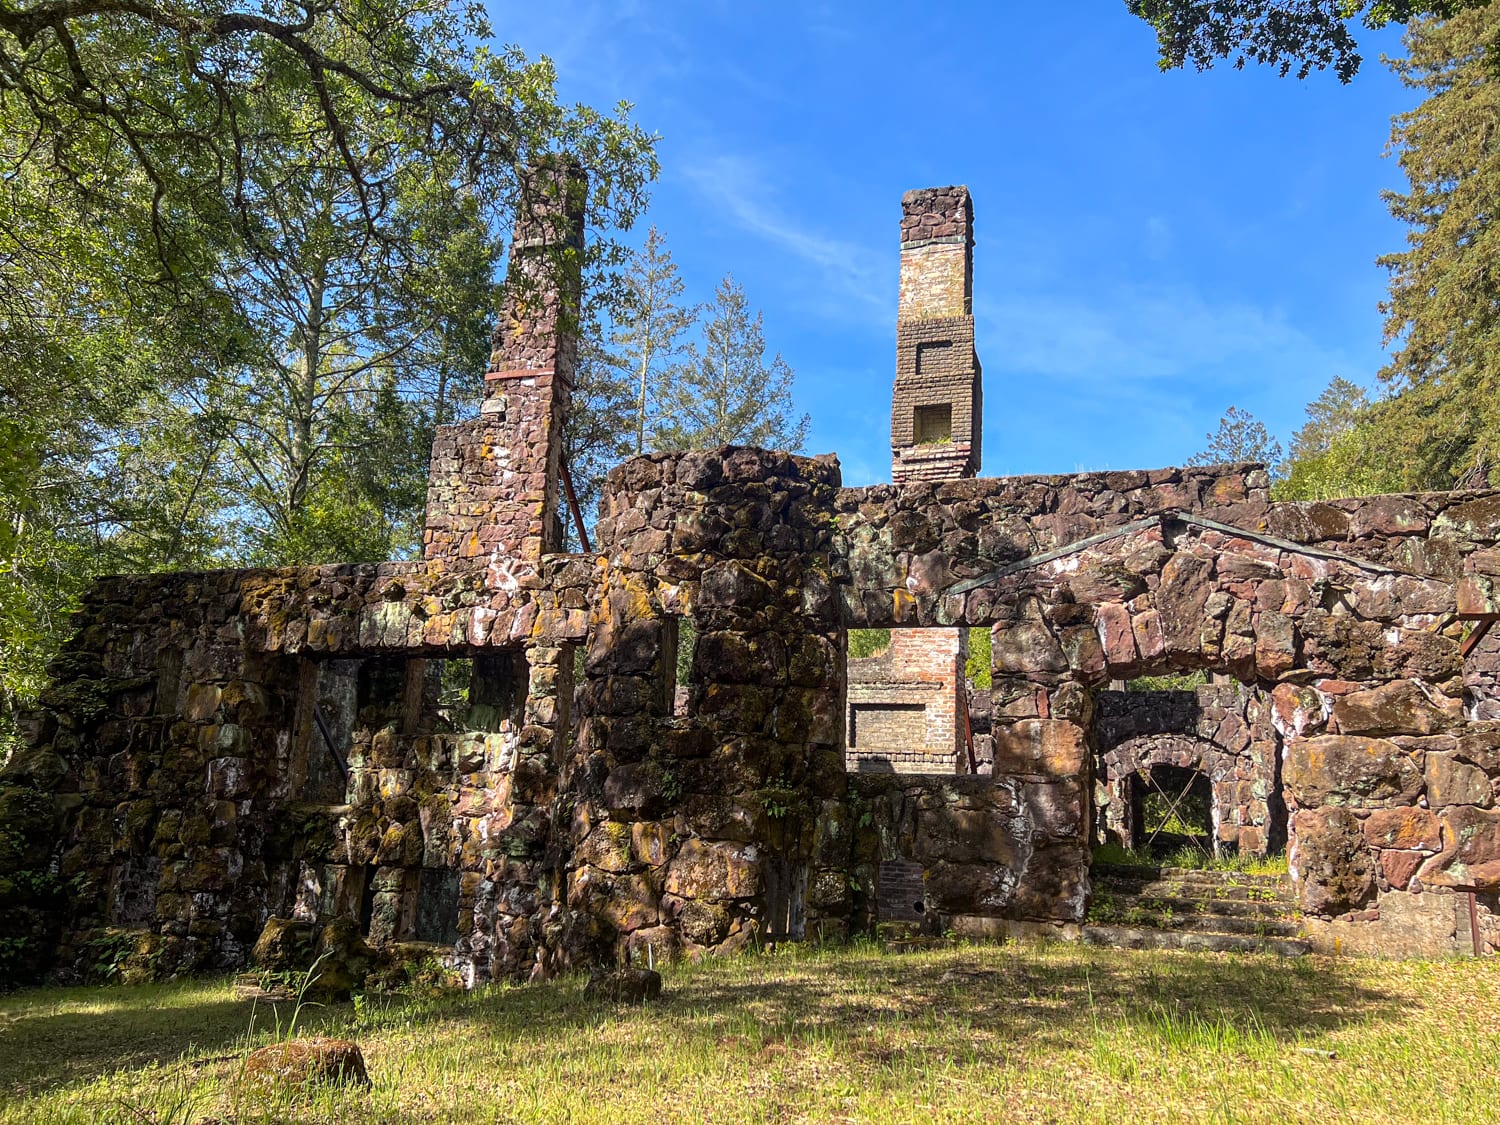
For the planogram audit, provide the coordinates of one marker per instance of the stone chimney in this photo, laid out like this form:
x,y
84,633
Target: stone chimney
x,y
493,488
936,409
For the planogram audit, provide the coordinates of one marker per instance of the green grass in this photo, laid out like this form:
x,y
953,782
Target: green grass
x,y
1026,1033
1192,859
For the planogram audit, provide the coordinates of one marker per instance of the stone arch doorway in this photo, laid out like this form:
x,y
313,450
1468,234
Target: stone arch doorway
x,y
1214,747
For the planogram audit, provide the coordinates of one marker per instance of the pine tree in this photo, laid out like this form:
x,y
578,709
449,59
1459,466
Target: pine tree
x,y
1240,437
1340,450
1335,412
725,393
649,326
1444,308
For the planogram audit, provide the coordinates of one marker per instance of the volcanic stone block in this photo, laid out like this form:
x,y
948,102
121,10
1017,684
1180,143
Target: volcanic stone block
x,y
1399,707
1046,747
1451,782
1337,872
1406,828
716,872
1471,850
1337,769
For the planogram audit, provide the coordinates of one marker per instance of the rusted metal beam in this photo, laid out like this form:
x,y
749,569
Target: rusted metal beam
x,y
1285,544
1050,556
567,480
1476,635
1163,519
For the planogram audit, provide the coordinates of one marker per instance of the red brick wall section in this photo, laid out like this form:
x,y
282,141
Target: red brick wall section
x,y
922,668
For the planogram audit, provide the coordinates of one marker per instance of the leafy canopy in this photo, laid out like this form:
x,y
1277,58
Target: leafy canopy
x,y
1290,35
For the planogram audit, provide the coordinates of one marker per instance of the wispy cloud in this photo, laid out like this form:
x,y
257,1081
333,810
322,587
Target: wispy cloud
x,y
1146,333
1145,370
856,277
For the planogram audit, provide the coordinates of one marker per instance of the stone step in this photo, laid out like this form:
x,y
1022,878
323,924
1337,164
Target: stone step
x,y
1147,873
1175,904
1205,892
1207,923
1132,937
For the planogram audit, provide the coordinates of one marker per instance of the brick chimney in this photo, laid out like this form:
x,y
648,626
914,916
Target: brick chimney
x,y
936,408
493,487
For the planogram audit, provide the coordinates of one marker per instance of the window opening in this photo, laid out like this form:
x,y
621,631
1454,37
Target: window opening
x,y
481,693
909,700
1176,810
934,424
679,648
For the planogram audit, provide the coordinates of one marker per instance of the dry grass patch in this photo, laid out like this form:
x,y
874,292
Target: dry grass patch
x,y
980,1033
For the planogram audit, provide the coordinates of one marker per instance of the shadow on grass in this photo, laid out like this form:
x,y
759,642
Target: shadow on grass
x,y
1009,995
52,1037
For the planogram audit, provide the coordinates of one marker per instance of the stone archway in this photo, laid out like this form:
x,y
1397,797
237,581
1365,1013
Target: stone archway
x,y
1222,731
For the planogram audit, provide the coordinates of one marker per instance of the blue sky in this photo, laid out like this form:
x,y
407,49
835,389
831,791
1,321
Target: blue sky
x,y
1151,248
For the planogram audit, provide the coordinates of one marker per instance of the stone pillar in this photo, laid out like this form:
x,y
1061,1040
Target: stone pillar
x,y
493,490
936,405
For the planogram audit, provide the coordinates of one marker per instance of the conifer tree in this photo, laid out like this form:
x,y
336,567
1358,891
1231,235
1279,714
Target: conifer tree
x,y
1443,424
725,393
1240,437
649,326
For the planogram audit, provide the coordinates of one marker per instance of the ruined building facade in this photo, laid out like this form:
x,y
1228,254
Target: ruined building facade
x,y
478,754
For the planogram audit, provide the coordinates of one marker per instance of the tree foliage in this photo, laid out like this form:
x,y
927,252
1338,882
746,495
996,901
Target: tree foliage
x,y
725,392
649,326
1290,35
1341,450
1240,437
1443,313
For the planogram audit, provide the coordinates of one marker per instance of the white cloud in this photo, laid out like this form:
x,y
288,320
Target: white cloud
x,y
845,271
1145,334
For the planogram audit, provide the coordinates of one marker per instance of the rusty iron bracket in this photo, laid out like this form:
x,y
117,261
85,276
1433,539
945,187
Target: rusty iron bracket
x,y
1476,635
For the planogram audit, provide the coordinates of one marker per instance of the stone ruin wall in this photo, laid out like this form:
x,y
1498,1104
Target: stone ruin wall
x,y
161,786
219,750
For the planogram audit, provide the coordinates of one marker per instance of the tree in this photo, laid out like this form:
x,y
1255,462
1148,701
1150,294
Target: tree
x,y
1443,312
1333,413
1240,437
649,325
1342,449
364,319
600,428
246,262
1300,35
725,393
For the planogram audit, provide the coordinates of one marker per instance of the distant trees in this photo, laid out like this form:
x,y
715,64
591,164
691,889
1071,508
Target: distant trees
x,y
1442,423
726,392
649,328
1437,423
660,372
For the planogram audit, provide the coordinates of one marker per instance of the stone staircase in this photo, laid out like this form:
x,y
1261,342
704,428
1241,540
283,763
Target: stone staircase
x,y
1179,908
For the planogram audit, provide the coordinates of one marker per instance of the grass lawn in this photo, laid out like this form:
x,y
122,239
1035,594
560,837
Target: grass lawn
x,y
1033,1033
